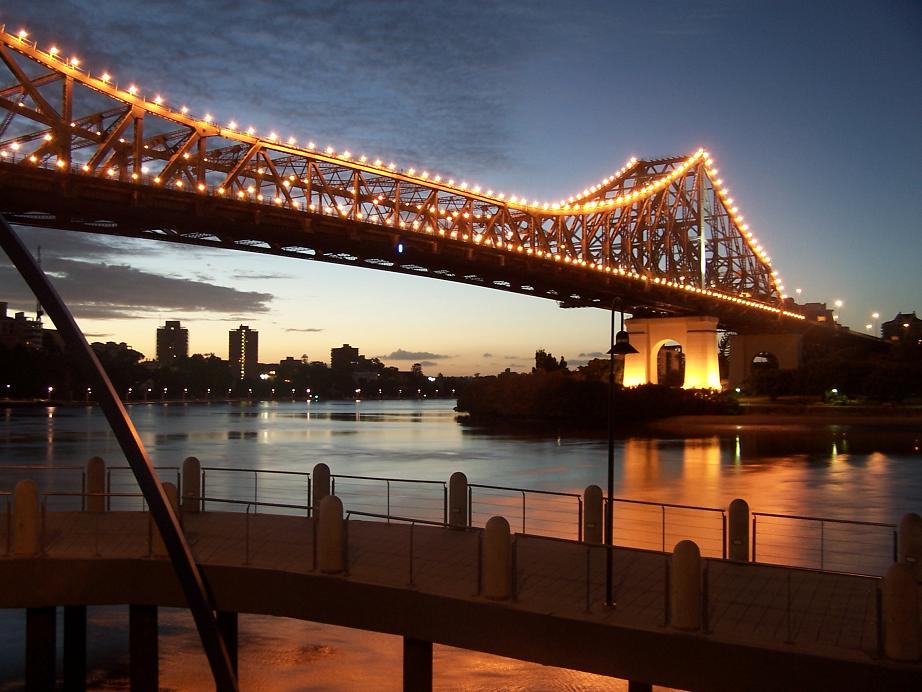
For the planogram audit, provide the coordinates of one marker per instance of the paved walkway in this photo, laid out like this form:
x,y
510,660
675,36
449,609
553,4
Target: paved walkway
x,y
830,615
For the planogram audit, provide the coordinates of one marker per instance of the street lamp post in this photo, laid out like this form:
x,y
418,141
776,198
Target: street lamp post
x,y
620,346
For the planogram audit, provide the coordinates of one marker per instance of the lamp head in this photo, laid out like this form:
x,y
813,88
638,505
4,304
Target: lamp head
x,y
622,345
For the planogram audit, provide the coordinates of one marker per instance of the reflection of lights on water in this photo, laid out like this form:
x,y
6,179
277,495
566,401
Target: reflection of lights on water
x,y
736,452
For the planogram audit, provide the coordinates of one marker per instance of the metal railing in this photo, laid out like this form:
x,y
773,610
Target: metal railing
x,y
120,470
45,468
430,506
256,474
703,534
525,493
836,545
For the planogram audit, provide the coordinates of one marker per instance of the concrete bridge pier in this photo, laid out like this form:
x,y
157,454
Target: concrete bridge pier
x,y
41,631
143,647
417,665
784,351
696,335
74,648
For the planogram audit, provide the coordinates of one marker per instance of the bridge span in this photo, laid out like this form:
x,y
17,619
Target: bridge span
x,y
81,150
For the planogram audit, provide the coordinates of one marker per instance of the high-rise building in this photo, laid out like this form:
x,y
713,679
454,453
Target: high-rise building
x,y
243,347
172,342
19,330
344,358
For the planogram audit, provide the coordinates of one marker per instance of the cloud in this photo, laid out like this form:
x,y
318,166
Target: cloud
x,y
593,354
487,355
515,358
88,335
305,329
400,354
97,290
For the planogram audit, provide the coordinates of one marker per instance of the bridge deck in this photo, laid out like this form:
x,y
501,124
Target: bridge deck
x,y
818,616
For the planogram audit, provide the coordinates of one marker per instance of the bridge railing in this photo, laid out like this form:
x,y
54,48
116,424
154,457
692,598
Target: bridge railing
x,y
551,512
424,500
833,545
262,487
121,484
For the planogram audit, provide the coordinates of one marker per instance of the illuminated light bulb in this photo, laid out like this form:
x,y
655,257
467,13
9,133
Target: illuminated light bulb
x,y
251,130
220,190
251,189
22,34
346,154
158,99
391,165
105,76
259,198
273,136
207,118
179,183
292,140
328,150
411,171
74,62
86,168
201,187
377,162
132,90
363,158
438,178
241,194
48,137
59,163
53,50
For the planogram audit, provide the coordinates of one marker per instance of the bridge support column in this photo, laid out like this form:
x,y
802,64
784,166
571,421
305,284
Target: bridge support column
x,y
417,665
191,485
457,501
320,486
738,530
41,632
910,542
787,350
143,669
696,335
95,500
74,648
592,514
227,624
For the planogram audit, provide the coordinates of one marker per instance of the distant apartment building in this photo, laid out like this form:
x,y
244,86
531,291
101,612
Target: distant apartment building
x,y
905,327
243,352
817,312
172,342
344,358
19,330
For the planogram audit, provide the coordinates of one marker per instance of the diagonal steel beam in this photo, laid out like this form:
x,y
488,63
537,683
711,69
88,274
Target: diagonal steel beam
x,y
190,578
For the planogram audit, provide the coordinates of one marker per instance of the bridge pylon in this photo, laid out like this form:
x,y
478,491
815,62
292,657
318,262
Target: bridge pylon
x,y
697,335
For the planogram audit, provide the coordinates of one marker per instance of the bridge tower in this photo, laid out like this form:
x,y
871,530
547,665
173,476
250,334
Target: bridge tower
x,y
696,335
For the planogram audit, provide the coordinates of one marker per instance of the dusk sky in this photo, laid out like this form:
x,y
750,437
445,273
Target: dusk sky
x,y
812,111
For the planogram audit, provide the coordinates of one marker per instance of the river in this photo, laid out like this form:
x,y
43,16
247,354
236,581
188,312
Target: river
x,y
841,471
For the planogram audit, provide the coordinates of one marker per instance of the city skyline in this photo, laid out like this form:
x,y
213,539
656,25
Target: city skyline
x,y
801,100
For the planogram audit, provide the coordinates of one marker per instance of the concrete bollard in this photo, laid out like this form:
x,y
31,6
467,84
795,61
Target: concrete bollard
x,y
738,531
457,500
95,485
497,559
191,485
330,536
685,587
592,514
320,486
158,549
901,613
910,542
27,519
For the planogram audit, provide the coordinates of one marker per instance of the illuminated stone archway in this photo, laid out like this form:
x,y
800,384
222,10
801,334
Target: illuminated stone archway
x,y
696,335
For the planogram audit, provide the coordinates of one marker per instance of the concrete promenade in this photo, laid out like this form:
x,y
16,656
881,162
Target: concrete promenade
x,y
763,627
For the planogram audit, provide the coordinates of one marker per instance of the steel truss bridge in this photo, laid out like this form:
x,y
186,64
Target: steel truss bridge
x,y
80,151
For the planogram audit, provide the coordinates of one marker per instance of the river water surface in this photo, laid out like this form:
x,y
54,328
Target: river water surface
x,y
839,472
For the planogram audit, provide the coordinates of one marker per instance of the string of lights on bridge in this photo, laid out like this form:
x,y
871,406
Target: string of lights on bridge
x,y
584,203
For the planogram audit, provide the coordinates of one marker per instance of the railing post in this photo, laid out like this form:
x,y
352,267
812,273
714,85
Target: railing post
x,y
96,474
686,587
27,520
444,504
497,553
388,482
909,546
523,512
901,613
737,545
592,514
822,543
412,526
459,497
191,485
331,535
579,519
321,485
754,538
255,492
